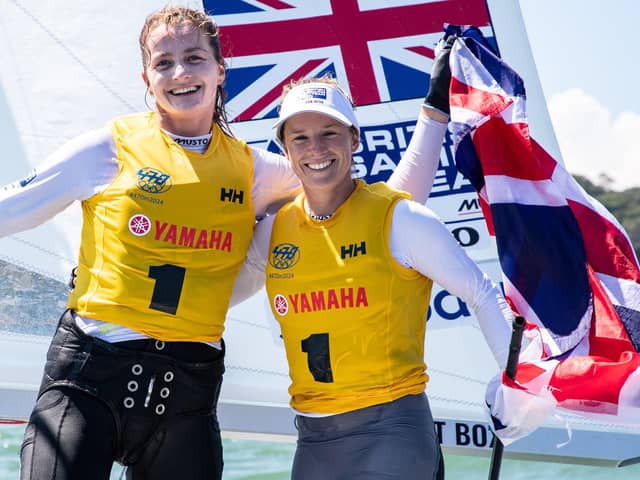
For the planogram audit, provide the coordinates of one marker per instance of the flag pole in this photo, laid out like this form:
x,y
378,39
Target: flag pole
x,y
510,371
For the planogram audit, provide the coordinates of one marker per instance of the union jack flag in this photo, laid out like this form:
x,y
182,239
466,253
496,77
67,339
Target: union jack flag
x,y
568,266
379,50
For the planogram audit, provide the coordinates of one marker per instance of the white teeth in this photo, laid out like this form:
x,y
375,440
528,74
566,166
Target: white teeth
x,y
319,166
178,91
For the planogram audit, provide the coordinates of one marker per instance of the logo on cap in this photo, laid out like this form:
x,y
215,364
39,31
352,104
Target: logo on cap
x,y
313,95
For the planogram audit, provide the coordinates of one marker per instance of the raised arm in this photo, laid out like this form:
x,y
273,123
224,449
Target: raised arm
x,y
79,169
417,167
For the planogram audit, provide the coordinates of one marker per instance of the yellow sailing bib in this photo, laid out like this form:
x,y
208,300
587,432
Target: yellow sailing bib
x,y
162,244
352,318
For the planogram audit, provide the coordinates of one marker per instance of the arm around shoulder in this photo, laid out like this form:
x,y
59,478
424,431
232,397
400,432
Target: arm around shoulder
x,y
274,182
251,277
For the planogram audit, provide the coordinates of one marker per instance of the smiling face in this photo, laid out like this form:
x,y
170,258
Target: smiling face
x,y
183,75
320,150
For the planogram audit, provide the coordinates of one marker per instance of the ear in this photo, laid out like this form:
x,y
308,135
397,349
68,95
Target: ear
x,y
221,74
146,82
355,142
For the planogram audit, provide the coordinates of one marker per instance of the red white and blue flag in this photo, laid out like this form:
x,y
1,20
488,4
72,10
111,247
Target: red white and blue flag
x,y
568,266
380,50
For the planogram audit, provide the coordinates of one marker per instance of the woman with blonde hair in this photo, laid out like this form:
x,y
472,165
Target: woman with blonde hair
x,y
349,269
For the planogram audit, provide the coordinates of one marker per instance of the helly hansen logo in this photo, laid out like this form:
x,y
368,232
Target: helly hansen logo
x,y
231,195
353,250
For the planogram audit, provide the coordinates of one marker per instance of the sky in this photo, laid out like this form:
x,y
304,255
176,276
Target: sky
x,y
589,66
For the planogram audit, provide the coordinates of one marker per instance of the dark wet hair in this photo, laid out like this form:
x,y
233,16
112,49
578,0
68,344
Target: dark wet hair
x,y
175,16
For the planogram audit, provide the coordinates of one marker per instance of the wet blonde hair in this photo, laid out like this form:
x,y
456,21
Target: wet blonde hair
x,y
172,17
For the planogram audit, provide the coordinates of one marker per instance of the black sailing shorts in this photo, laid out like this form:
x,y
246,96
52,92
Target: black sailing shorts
x,y
147,404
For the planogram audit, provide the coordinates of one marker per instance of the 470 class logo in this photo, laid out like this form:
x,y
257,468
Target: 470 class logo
x,y
151,180
284,255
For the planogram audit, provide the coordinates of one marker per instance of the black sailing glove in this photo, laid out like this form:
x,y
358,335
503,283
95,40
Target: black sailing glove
x,y
438,94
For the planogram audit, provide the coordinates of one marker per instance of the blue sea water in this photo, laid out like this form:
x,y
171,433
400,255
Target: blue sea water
x,y
253,460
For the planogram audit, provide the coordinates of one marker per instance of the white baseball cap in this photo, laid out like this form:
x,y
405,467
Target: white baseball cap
x,y
316,97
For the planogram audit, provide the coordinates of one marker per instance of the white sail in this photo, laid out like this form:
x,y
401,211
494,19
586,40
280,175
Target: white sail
x,y
70,66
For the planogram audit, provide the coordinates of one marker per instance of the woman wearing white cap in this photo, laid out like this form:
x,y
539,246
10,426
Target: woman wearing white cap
x,y
349,269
